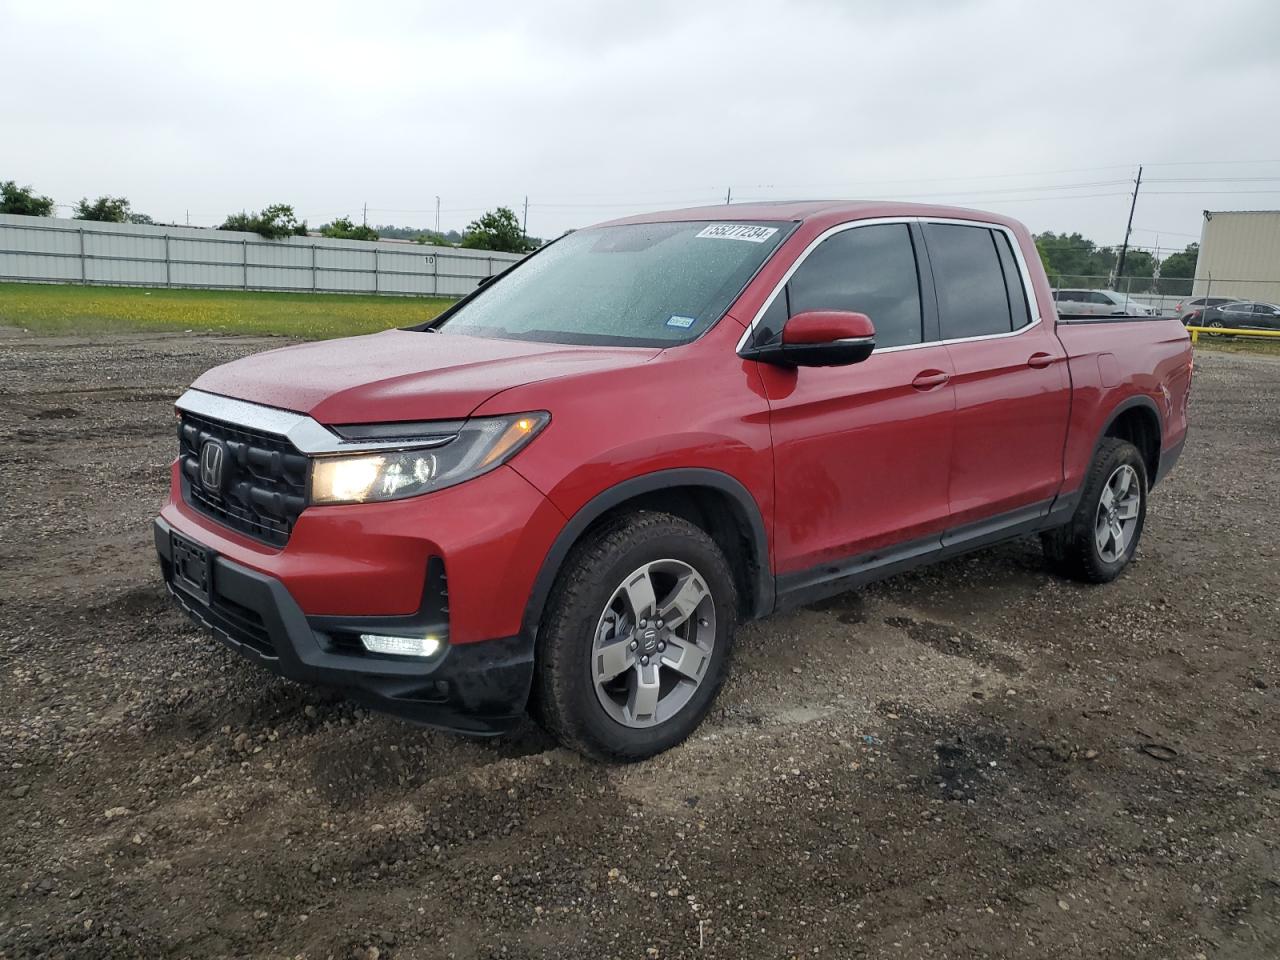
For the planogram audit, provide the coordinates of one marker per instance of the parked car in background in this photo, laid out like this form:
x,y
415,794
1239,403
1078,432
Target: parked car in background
x,y
1100,303
1199,303
1236,315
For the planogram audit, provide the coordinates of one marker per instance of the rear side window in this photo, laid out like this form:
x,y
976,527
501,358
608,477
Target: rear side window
x,y
1014,286
869,270
973,297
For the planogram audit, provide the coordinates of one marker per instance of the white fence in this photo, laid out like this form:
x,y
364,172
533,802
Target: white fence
x,y
42,249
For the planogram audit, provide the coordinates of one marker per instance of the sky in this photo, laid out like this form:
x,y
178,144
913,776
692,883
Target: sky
x,y
594,110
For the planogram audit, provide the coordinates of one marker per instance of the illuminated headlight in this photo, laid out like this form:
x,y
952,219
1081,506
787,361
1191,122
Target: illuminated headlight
x,y
401,646
480,445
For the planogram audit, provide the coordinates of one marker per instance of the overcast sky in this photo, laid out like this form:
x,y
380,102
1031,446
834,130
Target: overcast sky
x,y
596,109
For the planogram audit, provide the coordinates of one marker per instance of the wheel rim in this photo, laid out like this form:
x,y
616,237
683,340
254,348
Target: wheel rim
x,y
653,643
1117,516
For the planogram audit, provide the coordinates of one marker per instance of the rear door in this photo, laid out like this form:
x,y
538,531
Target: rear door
x,y
861,452
1012,388
1267,316
1238,315
1103,305
1075,303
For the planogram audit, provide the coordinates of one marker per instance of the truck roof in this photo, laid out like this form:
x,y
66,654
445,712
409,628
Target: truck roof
x,y
833,211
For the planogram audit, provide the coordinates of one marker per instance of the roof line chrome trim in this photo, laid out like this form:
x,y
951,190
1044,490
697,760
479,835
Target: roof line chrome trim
x,y
1033,305
306,434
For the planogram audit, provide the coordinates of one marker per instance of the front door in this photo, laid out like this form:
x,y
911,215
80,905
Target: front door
x,y
862,452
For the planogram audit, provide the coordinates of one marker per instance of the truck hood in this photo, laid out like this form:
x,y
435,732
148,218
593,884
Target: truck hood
x,y
403,375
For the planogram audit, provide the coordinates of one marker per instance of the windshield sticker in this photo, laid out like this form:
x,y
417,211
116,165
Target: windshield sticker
x,y
683,322
737,231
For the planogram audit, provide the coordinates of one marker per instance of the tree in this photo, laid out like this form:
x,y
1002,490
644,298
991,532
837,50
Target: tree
x,y
343,229
274,222
104,210
24,200
497,230
433,239
1046,259
387,230
1180,266
1139,268
1071,259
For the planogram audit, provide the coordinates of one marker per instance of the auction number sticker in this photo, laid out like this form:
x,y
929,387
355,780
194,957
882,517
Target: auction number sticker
x,y
737,231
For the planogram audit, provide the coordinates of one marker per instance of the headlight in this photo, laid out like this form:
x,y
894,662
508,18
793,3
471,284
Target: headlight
x,y
480,445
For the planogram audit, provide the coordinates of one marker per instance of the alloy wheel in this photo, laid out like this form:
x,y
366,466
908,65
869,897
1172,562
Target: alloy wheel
x,y
1117,516
653,643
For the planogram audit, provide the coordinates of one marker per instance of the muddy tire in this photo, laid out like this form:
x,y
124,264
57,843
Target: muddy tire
x,y
1103,533
636,638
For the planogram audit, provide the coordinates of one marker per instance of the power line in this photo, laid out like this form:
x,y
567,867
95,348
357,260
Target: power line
x,y
1200,193
1212,179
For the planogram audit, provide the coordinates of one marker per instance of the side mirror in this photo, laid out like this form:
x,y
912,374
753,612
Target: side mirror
x,y
820,338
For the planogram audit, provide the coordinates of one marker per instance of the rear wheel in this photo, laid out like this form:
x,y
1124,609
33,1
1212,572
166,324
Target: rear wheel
x,y
1103,533
635,643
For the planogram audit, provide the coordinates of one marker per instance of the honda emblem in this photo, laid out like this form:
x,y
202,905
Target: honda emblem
x,y
212,455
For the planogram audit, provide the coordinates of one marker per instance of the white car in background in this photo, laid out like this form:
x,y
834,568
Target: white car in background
x,y
1100,303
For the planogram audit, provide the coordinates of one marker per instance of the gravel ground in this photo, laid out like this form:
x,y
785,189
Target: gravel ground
x,y
975,760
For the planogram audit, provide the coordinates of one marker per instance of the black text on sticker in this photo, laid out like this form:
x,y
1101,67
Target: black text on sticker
x,y
737,231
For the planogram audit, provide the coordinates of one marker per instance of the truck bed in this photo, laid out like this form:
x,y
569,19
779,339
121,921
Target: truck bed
x,y
1114,360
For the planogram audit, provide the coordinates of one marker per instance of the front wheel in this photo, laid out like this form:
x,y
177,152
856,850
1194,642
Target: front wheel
x,y
1103,533
635,643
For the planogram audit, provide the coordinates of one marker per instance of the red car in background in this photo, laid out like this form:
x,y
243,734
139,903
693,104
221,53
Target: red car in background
x,y
565,492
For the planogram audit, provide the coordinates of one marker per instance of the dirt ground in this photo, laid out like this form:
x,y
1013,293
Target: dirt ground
x,y
975,760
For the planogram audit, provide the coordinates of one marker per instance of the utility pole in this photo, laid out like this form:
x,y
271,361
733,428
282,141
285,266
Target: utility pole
x,y
1124,247
728,196
524,222
437,214
364,217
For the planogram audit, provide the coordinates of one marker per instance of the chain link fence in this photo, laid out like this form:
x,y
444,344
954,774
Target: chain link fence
x,y
1169,295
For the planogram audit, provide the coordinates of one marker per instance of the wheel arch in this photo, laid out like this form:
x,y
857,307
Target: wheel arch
x,y
712,500
1138,421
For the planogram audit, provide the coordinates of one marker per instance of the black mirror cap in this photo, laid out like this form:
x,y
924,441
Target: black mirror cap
x,y
835,353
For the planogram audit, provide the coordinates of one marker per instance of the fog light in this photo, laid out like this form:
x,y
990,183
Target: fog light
x,y
401,646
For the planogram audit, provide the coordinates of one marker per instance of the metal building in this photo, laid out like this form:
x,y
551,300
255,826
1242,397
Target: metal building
x,y
1239,255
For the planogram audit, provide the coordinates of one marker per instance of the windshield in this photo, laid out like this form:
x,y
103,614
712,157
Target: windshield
x,y
643,284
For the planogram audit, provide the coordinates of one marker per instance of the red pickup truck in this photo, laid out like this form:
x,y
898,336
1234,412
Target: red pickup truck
x,y
563,493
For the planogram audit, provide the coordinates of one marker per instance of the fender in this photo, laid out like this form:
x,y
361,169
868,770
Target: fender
x,y
1064,503
602,502
1139,400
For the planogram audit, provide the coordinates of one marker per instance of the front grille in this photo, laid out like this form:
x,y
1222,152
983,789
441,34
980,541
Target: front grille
x,y
264,478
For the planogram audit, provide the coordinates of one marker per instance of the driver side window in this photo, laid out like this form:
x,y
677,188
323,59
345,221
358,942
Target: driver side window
x,y
869,270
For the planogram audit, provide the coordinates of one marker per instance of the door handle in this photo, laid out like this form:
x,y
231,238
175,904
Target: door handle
x,y
928,379
1040,360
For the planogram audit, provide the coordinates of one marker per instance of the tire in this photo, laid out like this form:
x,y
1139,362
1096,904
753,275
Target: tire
x,y
1074,550
591,617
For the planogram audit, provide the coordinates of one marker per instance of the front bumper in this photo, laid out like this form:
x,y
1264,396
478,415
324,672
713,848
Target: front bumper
x,y
478,688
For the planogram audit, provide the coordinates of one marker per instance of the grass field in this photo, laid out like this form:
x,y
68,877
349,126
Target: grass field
x,y
66,308
72,309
